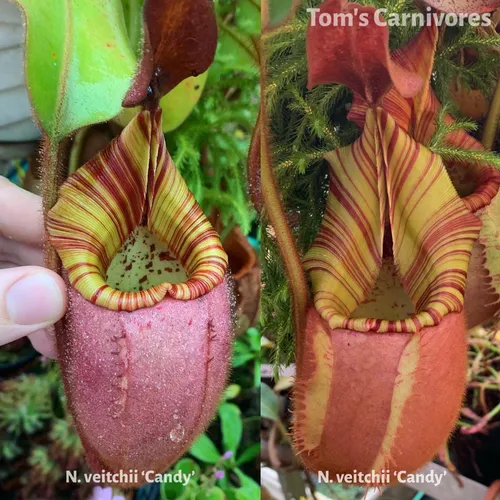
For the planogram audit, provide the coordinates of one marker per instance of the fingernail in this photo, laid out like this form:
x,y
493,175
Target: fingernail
x,y
34,299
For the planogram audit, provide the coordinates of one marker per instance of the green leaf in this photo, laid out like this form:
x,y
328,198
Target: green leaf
x,y
232,391
205,450
179,103
230,493
249,488
248,454
213,493
232,426
238,49
172,489
253,335
248,16
240,346
241,353
268,403
281,10
241,359
132,10
278,10
79,62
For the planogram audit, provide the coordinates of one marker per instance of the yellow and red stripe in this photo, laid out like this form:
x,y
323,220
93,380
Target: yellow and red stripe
x,y
417,116
387,172
133,182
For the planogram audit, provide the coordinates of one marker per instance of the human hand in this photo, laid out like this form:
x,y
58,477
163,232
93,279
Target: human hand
x,y
32,298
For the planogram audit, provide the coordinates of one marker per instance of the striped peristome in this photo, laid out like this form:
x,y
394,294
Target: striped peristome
x,y
433,232
417,116
133,182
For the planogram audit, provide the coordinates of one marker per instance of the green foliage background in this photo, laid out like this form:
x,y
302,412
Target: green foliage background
x,y
211,147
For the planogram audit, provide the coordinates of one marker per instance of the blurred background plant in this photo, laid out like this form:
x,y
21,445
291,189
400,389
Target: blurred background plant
x,y
209,142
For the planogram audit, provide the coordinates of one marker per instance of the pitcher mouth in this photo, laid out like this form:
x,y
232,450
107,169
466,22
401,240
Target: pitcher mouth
x,y
386,181
389,195
132,190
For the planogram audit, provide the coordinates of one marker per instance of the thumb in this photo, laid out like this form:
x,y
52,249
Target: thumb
x,y
31,298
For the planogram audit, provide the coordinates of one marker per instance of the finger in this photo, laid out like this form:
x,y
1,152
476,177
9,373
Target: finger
x,y
20,254
31,298
44,342
20,214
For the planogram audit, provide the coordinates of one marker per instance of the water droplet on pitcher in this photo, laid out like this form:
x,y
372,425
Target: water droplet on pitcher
x,y
177,433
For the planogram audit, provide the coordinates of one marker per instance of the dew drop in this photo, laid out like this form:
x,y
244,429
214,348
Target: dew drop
x,y
177,433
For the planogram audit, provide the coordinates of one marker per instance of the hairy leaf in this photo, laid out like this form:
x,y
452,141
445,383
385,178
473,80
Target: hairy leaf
x,y
79,62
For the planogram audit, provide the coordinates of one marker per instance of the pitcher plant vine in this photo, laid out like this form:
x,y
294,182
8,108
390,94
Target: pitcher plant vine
x,y
409,204
145,345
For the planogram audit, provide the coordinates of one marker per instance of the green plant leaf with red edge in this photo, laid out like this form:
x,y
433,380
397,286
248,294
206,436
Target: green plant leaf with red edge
x,y
464,6
79,62
183,38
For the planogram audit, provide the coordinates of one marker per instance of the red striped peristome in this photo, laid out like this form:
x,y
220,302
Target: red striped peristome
x,y
381,362
387,180
477,183
133,182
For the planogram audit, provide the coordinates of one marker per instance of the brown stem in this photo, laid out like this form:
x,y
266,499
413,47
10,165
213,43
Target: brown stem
x,y
253,168
491,127
55,171
284,238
